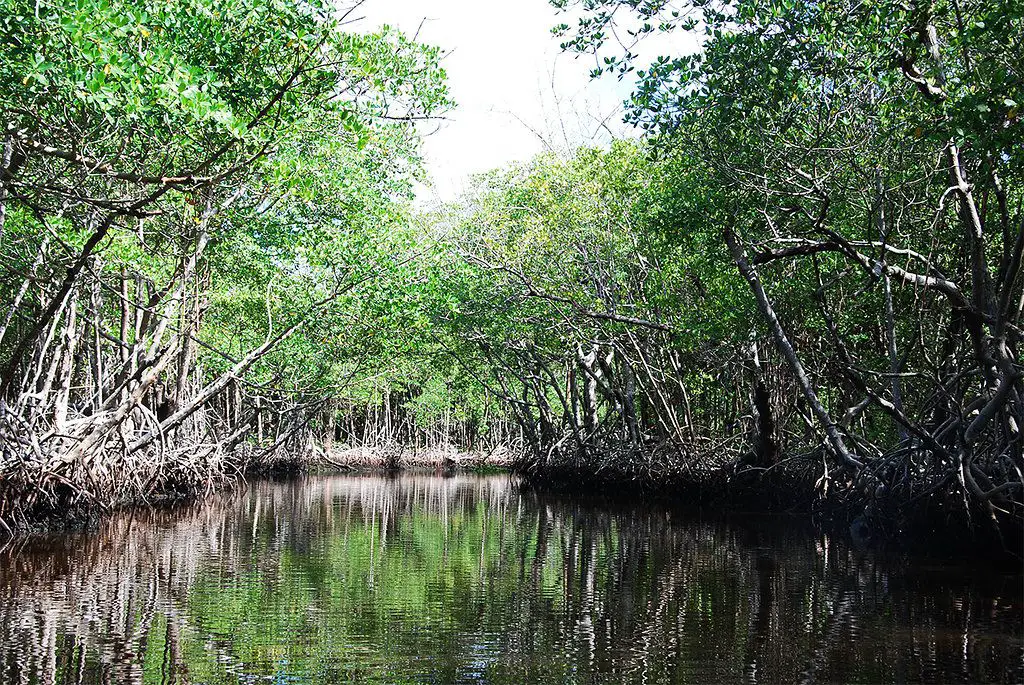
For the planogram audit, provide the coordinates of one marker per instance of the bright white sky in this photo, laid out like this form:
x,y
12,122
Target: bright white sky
x,y
507,76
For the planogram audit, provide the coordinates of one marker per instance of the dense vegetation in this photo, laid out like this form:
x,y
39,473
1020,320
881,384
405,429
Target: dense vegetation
x,y
803,279
194,194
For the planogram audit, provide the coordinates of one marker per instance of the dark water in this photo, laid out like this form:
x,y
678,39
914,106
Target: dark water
x,y
471,579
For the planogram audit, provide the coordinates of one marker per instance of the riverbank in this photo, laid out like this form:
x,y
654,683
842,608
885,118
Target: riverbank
x,y
397,458
52,496
938,524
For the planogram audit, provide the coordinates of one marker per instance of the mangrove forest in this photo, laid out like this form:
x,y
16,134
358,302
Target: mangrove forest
x,y
706,396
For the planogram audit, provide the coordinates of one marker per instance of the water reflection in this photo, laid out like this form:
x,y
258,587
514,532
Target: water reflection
x,y
472,579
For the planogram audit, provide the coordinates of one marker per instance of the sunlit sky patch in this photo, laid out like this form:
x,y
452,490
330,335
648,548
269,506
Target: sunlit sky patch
x,y
516,93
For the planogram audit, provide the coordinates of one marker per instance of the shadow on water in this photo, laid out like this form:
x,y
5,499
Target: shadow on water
x,y
474,579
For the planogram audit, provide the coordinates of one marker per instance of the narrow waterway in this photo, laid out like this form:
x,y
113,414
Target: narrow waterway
x,y
426,579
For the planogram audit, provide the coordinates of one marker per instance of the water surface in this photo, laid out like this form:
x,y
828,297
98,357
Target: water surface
x,y
425,579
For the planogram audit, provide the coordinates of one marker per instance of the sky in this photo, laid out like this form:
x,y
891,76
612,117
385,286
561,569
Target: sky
x,y
516,93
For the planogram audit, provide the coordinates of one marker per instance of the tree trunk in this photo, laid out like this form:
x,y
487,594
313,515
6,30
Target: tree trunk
x,y
835,438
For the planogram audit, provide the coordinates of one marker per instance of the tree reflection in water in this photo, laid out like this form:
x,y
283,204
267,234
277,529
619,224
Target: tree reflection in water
x,y
474,579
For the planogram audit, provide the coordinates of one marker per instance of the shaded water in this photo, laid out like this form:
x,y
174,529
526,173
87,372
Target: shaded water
x,y
473,579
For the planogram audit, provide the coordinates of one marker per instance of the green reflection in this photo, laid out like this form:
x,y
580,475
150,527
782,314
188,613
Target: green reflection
x,y
427,579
